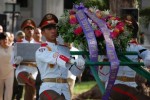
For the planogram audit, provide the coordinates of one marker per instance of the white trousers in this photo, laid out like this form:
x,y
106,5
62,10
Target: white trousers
x,y
6,86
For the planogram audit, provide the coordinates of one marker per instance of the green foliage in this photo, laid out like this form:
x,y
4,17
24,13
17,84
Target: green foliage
x,y
83,86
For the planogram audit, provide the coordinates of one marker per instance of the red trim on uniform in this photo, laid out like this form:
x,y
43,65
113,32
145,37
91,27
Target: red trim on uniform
x,y
45,23
44,44
14,65
134,42
26,79
64,58
48,96
124,93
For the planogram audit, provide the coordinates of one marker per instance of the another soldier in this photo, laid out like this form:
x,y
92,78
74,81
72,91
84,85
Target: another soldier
x,y
53,65
125,85
26,72
37,35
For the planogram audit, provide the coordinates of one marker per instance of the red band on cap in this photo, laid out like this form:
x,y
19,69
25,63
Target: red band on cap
x,y
64,58
43,44
45,23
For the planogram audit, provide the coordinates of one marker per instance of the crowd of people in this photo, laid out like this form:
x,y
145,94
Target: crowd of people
x,y
47,78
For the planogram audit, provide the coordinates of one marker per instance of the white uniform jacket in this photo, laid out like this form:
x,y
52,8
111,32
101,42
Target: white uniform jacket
x,y
45,57
124,71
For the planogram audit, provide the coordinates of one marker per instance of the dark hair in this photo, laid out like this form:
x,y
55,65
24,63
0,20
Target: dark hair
x,y
3,36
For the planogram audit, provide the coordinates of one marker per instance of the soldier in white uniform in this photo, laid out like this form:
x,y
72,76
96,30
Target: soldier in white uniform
x,y
26,72
125,82
54,66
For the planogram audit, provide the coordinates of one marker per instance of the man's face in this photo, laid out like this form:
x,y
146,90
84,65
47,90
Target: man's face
x,y
1,29
29,31
50,33
37,33
19,39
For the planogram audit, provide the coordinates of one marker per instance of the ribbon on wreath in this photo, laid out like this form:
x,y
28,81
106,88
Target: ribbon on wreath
x,y
89,33
111,53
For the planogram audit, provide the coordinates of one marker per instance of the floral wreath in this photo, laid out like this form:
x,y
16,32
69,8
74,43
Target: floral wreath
x,y
102,31
72,32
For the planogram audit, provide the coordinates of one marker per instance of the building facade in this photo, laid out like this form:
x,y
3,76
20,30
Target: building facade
x,y
34,9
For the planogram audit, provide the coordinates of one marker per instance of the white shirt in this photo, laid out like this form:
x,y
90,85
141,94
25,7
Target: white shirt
x,y
44,57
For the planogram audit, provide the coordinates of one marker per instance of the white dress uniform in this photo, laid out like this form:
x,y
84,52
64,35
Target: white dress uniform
x,y
124,71
24,68
44,57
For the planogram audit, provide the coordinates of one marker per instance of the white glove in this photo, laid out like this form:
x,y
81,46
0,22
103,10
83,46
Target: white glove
x,y
147,61
80,62
18,60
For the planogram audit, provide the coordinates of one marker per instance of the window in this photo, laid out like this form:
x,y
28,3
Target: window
x,y
68,4
23,3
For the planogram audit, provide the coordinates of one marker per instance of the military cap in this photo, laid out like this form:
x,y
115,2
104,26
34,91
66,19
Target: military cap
x,y
47,19
28,23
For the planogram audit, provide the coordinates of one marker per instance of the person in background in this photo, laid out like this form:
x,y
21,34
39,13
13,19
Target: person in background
x,y
1,28
53,65
133,25
37,35
18,89
10,38
20,35
6,67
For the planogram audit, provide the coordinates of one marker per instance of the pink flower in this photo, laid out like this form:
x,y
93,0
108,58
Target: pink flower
x,y
120,24
117,18
72,19
120,28
78,31
98,33
115,33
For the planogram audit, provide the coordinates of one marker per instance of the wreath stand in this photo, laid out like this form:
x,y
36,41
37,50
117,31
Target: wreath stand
x,y
136,66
